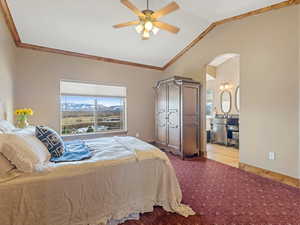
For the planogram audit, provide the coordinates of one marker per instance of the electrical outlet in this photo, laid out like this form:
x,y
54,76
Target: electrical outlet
x,y
271,155
137,135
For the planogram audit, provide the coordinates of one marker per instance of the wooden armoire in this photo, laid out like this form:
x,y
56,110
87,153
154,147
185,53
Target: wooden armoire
x,y
178,116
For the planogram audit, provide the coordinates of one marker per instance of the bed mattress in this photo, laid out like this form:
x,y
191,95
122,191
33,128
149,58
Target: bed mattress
x,y
124,176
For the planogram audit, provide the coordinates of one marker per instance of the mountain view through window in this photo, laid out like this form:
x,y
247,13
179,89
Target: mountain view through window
x,y
88,114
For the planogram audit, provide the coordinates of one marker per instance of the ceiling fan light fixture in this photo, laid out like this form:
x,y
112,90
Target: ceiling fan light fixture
x,y
146,34
148,25
155,30
139,28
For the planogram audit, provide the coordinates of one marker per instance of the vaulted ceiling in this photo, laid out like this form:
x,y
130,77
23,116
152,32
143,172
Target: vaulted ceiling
x,y
85,26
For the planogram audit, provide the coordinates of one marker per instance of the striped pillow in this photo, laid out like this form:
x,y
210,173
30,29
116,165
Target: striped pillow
x,y
51,140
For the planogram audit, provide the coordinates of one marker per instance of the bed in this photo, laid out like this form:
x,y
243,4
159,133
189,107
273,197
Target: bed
x,y
125,177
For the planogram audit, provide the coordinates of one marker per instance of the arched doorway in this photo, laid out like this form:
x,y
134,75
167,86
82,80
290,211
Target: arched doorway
x,y
222,109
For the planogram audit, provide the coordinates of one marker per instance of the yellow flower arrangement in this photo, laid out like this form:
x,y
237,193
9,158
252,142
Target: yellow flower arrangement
x,y
24,112
22,115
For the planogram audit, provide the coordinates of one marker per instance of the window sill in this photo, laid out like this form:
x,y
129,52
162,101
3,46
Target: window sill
x,y
94,135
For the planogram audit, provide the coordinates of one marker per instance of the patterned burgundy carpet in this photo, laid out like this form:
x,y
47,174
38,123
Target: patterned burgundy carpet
x,y
222,195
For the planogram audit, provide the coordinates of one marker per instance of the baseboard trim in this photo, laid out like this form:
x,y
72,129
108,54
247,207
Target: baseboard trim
x,y
291,181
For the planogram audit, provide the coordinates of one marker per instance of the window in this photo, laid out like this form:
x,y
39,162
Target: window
x,y
90,108
209,102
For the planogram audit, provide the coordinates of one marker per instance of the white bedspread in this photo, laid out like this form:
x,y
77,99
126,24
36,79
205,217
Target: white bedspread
x,y
124,176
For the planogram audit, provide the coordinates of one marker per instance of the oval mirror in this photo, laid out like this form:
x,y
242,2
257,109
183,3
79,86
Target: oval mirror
x,y
225,101
237,98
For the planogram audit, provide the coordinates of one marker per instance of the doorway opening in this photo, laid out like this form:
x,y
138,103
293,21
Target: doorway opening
x,y
223,109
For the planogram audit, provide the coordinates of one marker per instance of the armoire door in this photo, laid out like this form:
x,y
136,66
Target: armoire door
x,y
161,114
191,124
174,117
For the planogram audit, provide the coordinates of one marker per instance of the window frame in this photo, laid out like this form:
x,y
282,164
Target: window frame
x,y
125,116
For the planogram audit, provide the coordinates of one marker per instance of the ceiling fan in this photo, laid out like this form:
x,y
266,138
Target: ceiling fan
x,y
148,19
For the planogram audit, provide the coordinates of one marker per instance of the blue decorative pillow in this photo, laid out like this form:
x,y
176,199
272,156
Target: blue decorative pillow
x,y
51,140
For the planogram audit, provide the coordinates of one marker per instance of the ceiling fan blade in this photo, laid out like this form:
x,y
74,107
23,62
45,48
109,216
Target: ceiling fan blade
x,y
167,27
132,7
131,23
165,10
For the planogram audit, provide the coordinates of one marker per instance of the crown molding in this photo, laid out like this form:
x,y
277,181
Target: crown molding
x,y
86,56
15,35
10,22
192,44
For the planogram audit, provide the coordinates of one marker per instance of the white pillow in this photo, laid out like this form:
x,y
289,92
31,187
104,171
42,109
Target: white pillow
x,y
24,151
5,165
6,126
28,130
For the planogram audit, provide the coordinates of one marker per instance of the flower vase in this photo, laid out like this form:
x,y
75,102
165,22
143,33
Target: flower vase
x,y
22,122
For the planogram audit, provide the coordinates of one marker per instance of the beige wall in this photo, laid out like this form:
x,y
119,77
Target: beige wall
x,y
299,84
7,70
227,72
38,82
269,84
